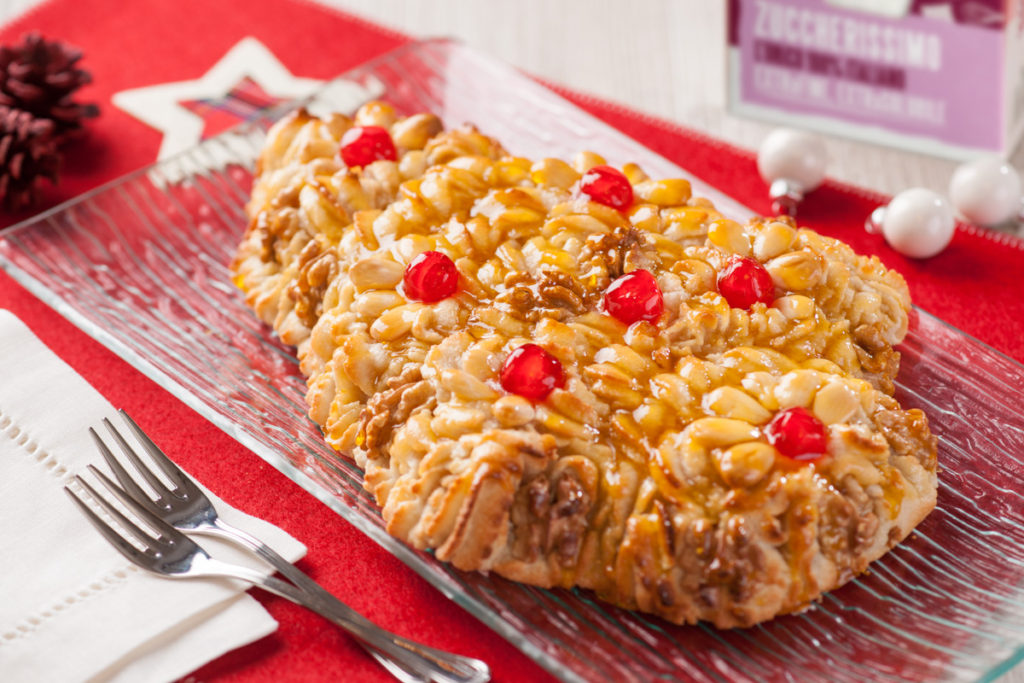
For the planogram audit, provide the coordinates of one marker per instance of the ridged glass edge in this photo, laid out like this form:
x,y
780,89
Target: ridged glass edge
x,y
478,609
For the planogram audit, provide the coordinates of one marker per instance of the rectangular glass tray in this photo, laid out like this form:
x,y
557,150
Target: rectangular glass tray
x,y
140,265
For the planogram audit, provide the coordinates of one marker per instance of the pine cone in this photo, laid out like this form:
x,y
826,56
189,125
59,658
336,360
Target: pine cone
x,y
40,77
28,152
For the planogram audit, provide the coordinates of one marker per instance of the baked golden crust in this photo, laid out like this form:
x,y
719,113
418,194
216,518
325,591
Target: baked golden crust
x,y
647,477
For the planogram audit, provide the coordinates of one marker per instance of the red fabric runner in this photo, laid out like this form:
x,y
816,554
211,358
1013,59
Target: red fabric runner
x,y
974,285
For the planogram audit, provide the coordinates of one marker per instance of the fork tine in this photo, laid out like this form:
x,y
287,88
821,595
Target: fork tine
x,y
152,520
125,523
115,539
166,465
133,457
120,472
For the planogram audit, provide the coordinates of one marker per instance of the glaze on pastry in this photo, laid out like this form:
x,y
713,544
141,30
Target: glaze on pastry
x,y
648,473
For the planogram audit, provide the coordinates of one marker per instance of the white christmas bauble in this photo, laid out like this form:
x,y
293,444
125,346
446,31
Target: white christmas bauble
x,y
793,155
918,223
986,191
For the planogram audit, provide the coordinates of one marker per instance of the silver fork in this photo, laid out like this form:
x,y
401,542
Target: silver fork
x,y
187,508
168,552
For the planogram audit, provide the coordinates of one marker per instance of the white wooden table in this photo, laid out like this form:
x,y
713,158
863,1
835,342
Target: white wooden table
x,y
664,57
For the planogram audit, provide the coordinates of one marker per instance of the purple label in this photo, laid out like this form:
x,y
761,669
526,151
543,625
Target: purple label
x,y
910,75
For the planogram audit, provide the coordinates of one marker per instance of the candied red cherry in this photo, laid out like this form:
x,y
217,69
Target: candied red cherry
x,y
608,186
744,281
634,296
532,373
363,145
430,277
797,434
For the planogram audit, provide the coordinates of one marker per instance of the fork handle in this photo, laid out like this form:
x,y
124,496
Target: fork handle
x,y
423,662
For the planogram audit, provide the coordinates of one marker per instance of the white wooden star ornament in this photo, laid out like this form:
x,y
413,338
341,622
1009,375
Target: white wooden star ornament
x,y
162,106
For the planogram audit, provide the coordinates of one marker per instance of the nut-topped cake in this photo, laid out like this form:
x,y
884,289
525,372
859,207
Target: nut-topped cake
x,y
573,374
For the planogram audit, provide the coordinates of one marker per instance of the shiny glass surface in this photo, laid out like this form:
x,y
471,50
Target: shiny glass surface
x,y
141,265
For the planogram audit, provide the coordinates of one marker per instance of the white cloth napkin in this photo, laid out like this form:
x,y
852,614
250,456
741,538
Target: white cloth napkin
x,y
71,607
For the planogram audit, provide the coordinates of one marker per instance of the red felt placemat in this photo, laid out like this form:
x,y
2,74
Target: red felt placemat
x,y
974,285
